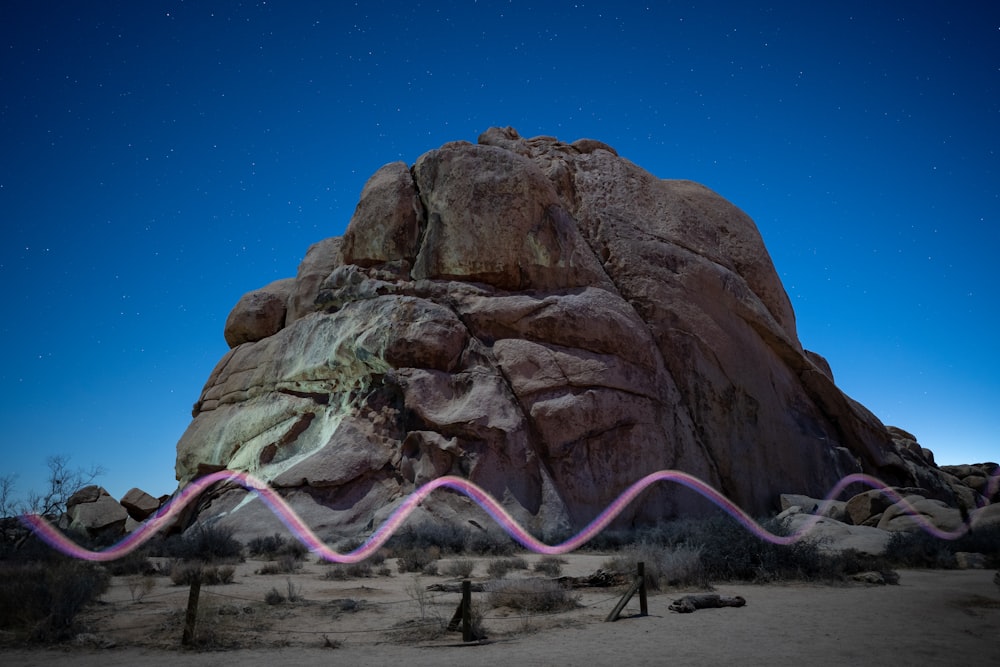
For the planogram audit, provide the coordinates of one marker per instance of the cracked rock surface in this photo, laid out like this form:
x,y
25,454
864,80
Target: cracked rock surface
x,y
545,319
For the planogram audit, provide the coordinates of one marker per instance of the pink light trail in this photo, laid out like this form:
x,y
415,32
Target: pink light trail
x,y
47,532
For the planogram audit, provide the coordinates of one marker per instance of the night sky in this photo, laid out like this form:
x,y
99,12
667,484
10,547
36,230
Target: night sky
x,y
160,159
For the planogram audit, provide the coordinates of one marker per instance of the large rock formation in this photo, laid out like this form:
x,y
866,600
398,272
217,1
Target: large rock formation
x,y
547,320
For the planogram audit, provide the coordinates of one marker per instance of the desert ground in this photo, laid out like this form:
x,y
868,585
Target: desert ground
x,y
930,617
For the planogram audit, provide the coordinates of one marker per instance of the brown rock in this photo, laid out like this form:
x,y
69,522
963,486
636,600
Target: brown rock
x,y
139,504
865,505
258,314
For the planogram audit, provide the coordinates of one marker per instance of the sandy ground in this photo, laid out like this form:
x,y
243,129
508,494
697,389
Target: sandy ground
x,y
931,617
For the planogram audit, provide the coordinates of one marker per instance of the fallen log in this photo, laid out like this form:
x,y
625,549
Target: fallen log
x,y
690,603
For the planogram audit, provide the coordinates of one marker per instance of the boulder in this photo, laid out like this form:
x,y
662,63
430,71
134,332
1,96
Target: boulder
x,y
833,509
139,504
896,516
835,536
93,511
258,314
861,507
547,320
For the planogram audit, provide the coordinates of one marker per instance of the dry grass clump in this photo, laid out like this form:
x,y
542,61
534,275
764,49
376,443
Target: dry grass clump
x,y
550,566
416,559
664,566
292,594
499,567
284,564
531,595
460,568
184,573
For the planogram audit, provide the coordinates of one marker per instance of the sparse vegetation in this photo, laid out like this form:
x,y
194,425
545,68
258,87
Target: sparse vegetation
x,y
531,595
284,564
460,568
418,559
206,543
499,567
184,573
139,585
40,601
550,566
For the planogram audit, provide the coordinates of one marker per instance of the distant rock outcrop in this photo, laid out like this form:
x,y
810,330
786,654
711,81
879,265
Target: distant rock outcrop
x,y
547,320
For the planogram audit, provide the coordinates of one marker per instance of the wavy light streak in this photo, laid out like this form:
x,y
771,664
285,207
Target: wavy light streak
x,y
47,532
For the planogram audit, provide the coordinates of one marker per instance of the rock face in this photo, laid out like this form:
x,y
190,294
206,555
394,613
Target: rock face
x,y
547,320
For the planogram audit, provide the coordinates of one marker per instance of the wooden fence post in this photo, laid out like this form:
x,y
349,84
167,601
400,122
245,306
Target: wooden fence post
x,y
643,608
463,614
638,584
191,617
466,611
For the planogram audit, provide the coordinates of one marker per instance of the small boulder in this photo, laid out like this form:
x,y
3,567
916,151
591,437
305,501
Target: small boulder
x,y
139,504
864,505
92,510
259,314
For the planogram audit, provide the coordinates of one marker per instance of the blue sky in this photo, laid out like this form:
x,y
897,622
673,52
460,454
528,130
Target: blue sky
x,y
163,158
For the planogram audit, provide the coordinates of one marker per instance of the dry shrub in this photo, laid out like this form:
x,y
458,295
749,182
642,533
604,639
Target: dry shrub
x,y
344,571
550,566
139,585
499,567
284,564
184,573
664,566
414,559
460,568
531,595
43,599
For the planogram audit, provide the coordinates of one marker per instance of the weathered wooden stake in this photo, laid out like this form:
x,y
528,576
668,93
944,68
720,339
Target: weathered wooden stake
x,y
466,611
638,584
643,608
192,612
463,613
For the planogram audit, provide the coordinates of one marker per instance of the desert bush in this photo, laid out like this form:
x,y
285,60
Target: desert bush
x,y
284,564
461,568
294,592
984,540
275,546
550,566
274,597
445,537
664,566
413,559
139,585
531,595
499,567
267,546
134,563
489,543
919,549
184,573
43,599
208,543
343,571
